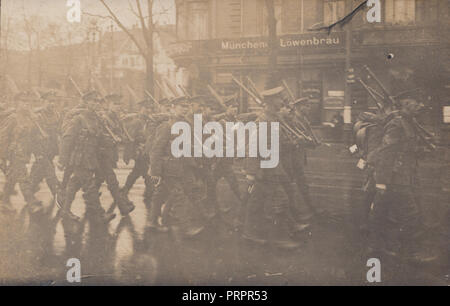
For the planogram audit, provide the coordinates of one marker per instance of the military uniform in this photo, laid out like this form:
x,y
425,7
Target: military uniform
x,y
267,207
16,132
176,183
368,132
79,155
108,157
298,145
214,169
45,148
141,127
396,215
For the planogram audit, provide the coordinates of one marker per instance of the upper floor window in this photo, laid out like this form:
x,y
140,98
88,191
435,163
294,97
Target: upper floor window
x,y
400,11
254,17
427,11
333,10
291,16
198,23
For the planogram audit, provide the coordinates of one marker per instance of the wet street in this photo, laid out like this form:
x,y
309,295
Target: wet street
x,y
33,250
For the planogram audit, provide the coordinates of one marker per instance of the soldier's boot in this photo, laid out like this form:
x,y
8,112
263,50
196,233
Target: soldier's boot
x,y
13,193
36,176
67,214
35,187
166,214
295,226
54,185
313,210
94,210
34,206
123,203
195,224
6,206
234,186
101,215
126,206
193,230
279,234
209,202
154,217
295,221
210,207
129,183
254,229
65,202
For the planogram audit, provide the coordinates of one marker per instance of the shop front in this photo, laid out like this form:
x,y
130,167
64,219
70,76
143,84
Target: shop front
x,y
313,65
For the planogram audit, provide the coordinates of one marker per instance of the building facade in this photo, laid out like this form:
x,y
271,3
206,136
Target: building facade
x,y
408,49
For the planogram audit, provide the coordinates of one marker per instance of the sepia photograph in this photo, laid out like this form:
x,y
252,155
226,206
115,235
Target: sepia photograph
x,y
232,143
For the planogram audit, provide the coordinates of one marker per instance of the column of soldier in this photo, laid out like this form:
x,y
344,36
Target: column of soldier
x,y
86,138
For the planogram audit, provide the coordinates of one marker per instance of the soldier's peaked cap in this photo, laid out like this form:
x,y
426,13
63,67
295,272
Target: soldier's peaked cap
x,y
179,100
300,101
416,93
164,101
48,95
91,95
113,97
145,102
24,95
272,92
199,99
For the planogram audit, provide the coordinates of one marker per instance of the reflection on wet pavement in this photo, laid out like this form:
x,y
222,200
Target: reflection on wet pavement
x,y
34,250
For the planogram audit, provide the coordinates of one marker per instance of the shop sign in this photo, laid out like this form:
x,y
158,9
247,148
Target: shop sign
x,y
286,42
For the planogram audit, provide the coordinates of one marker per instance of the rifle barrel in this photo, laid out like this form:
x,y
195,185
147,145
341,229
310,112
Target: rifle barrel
x,y
258,100
383,88
291,95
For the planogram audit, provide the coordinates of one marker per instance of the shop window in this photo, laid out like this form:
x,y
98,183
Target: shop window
x,y
333,95
446,114
310,85
400,11
333,10
198,25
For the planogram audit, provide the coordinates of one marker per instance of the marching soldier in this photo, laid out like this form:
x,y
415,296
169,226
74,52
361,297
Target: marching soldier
x,y
300,122
108,153
45,147
173,177
396,220
215,169
368,132
79,156
267,190
16,132
141,127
